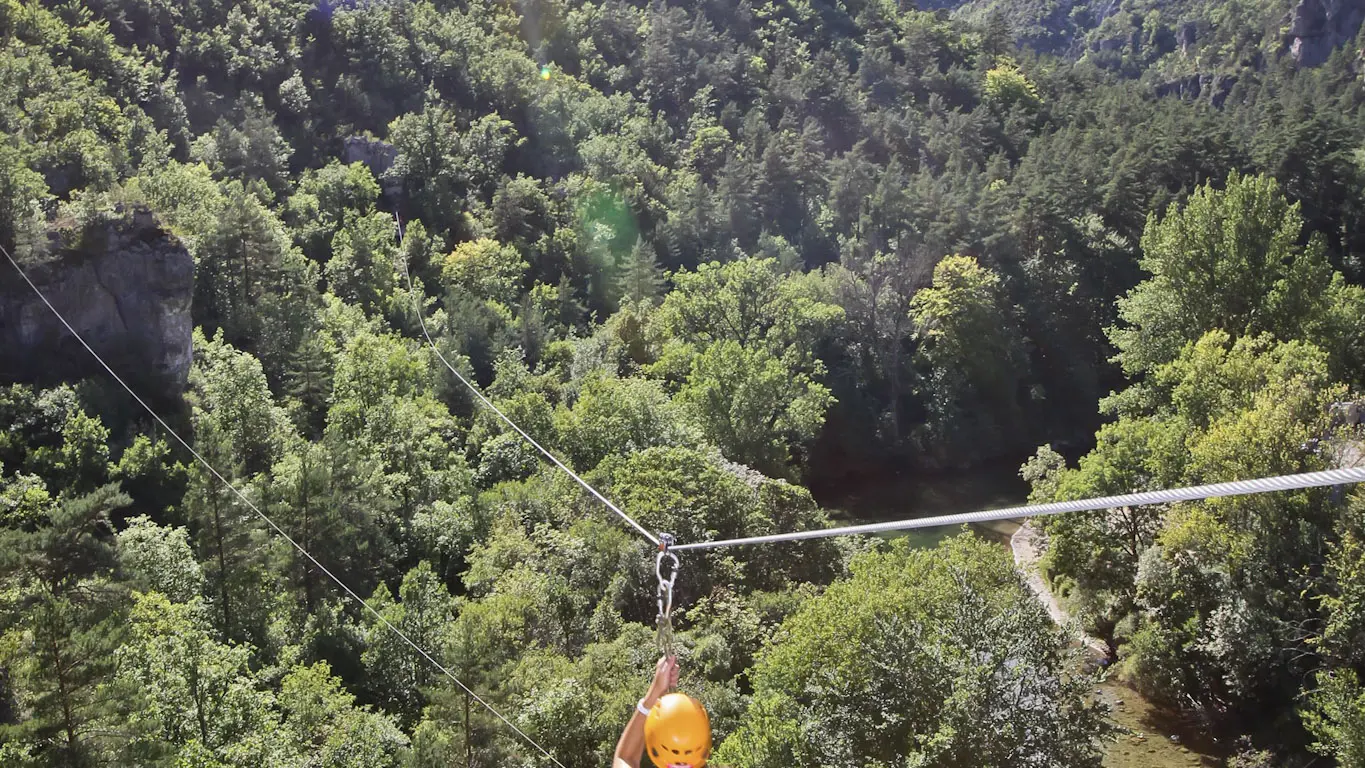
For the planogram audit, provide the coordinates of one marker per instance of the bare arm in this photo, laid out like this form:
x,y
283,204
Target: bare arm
x,y
632,743
631,746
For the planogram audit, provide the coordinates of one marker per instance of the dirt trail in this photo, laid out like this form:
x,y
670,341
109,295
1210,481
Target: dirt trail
x,y
1149,737
1024,543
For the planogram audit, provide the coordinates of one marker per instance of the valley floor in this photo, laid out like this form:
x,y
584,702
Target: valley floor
x,y
1151,737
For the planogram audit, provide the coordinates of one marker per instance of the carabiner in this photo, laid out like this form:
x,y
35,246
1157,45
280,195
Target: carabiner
x,y
664,636
666,584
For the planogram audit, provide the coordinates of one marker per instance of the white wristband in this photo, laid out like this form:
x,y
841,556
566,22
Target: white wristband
x,y
641,708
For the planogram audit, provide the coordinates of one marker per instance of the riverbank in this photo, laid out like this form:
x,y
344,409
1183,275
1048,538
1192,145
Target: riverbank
x,y
1150,737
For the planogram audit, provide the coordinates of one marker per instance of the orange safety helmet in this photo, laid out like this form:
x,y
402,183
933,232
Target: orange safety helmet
x,y
678,732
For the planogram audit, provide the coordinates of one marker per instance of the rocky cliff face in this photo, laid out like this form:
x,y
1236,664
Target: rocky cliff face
x,y
1213,88
1318,27
379,157
1306,30
126,289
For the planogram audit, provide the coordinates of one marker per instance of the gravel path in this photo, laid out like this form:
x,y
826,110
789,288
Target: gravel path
x,y
1025,545
1027,548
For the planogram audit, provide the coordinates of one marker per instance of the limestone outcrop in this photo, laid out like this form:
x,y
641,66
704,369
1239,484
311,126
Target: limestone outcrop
x,y
126,288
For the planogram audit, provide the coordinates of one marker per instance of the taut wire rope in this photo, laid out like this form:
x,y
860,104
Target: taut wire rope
x,y
1191,493
653,539
354,596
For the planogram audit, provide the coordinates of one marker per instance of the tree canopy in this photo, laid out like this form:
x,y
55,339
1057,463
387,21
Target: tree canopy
x,y
739,265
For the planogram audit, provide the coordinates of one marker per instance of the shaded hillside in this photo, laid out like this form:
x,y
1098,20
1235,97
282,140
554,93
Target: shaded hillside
x,y
1174,37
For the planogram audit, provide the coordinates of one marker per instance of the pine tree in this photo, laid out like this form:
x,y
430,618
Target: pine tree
x,y
310,385
236,551
66,623
641,278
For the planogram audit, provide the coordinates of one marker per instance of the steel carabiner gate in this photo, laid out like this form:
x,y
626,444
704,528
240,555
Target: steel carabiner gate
x,y
664,637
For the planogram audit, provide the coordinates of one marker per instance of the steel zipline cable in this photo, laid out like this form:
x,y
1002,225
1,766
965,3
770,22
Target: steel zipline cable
x,y
1192,493
666,545
345,588
653,539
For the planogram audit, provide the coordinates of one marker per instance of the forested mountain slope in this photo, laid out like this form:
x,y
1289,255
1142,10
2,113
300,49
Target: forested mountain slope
x,y
1174,36
711,254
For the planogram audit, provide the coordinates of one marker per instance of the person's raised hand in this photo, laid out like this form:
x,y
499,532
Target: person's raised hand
x,y
665,678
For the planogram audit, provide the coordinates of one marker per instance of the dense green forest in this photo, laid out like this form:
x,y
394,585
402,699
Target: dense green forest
x,y
713,254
